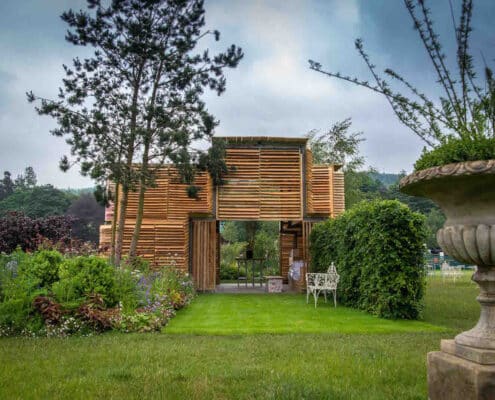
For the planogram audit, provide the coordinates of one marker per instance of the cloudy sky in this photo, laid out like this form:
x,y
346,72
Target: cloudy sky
x,y
271,93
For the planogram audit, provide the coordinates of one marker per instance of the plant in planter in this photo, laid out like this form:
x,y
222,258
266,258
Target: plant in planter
x,y
457,127
457,171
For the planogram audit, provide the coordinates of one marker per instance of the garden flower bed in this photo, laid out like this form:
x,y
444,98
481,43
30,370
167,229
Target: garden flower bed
x,y
47,294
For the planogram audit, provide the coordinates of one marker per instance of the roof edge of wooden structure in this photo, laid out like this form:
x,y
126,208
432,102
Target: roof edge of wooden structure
x,y
262,141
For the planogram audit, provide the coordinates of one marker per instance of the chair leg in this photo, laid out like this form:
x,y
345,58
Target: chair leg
x,y
325,295
335,298
307,296
315,294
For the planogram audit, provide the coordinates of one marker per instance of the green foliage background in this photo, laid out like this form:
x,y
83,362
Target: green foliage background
x,y
37,202
236,237
23,195
378,250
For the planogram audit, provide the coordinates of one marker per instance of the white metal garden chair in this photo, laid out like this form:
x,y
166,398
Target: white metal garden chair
x,y
319,282
449,271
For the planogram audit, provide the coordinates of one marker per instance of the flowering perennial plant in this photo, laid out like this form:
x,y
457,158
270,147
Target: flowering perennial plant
x,y
48,294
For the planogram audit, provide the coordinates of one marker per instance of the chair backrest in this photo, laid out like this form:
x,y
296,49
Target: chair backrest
x,y
333,276
333,279
322,280
315,279
331,269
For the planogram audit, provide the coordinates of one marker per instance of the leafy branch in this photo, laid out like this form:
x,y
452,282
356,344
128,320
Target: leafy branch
x,y
464,111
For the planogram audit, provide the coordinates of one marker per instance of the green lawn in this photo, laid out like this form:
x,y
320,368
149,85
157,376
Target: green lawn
x,y
325,365
233,314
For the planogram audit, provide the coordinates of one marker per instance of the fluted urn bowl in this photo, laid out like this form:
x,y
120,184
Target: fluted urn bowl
x,y
466,194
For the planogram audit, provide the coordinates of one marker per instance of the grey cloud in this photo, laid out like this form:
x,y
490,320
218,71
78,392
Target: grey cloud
x,y
272,92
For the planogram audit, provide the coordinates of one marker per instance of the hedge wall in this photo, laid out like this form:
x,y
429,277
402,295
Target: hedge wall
x,y
378,248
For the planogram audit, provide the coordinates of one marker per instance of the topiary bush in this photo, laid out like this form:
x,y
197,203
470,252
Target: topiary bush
x,y
378,248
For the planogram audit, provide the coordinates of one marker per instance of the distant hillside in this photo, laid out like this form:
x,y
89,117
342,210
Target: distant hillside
x,y
79,191
384,178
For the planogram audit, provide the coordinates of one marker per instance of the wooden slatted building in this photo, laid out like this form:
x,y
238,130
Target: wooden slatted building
x,y
269,179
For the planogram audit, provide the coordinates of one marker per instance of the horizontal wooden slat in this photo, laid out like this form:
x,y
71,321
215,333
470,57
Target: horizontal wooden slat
x,y
264,182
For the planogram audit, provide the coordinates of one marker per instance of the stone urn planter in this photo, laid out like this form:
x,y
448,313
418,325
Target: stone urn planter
x,y
465,368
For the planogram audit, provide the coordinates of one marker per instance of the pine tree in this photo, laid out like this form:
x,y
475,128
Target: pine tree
x,y
6,185
30,177
138,98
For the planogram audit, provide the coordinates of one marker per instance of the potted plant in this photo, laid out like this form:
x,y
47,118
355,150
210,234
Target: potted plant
x,y
456,170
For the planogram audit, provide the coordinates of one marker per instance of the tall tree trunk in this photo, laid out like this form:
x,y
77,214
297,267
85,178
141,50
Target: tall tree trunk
x,y
114,221
127,178
144,166
140,211
121,225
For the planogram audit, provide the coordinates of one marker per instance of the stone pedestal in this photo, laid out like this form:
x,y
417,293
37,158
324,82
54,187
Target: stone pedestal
x,y
274,284
461,373
465,368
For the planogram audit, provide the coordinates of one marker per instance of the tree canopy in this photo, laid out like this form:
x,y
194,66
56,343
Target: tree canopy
x,y
138,98
37,202
87,215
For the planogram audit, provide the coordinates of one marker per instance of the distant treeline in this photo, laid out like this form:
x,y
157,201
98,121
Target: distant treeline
x,y
385,178
24,195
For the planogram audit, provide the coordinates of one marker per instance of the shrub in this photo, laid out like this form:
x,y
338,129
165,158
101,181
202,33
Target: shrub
x,y
94,313
47,294
228,272
50,311
230,251
70,247
44,266
457,150
160,294
17,291
170,282
378,249
127,289
266,246
141,322
18,230
83,276
16,316
228,254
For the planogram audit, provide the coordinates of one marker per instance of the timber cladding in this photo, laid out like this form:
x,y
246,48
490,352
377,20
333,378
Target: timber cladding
x,y
204,254
269,179
264,184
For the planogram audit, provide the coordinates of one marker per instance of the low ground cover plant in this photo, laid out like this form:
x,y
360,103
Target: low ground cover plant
x,y
48,294
378,248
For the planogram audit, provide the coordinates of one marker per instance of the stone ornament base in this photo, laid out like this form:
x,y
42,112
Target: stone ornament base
x,y
274,284
451,377
480,356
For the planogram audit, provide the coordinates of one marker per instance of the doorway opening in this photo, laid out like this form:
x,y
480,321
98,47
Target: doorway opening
x,y
249,251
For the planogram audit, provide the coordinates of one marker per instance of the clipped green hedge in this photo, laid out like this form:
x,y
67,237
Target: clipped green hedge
x,y
378,248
